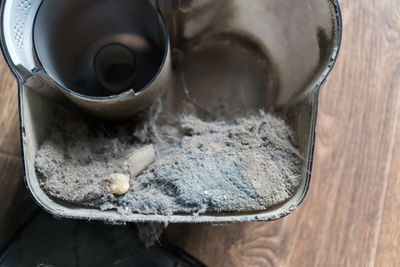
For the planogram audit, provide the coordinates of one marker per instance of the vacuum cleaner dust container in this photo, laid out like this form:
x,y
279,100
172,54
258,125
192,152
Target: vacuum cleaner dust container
x,y
111,60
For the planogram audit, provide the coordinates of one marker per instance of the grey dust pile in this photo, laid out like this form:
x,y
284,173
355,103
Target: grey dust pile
x,y
245,165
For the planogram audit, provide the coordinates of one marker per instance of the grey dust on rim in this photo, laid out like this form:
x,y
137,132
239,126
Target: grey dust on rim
x,y
169,111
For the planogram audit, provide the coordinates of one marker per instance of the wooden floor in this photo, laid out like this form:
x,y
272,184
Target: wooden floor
x,y
351,216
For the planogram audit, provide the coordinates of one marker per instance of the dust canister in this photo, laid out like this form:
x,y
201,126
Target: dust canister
x,y
112,58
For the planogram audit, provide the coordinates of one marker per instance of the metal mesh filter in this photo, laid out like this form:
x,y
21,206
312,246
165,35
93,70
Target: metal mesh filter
x,y
18,20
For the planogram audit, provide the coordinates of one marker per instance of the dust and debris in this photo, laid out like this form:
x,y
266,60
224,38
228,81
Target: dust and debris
x,y
247,164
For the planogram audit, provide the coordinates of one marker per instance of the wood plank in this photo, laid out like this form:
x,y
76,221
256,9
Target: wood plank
x,y
15,203
9,122
339,222
388,253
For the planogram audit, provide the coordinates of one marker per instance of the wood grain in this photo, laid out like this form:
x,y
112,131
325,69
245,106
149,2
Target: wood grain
x,y
388,253
9,141
15,203
351,214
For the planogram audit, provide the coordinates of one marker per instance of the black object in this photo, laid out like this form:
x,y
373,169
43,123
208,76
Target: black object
x,y
47,241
